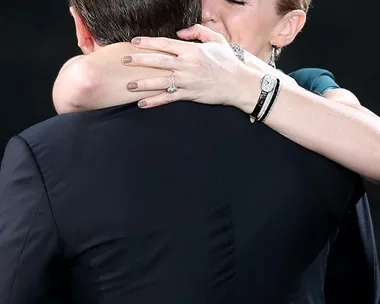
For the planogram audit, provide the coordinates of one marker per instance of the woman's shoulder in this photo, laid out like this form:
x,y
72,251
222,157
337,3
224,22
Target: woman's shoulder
x,y
310,73
315,80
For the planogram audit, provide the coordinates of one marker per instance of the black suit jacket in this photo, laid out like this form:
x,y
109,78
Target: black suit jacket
x,y
181,204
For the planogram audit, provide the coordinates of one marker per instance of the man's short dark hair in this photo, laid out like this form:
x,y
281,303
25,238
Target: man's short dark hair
x,y
112,21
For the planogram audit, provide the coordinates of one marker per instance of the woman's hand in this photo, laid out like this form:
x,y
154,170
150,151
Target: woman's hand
x,y
207,72
99,80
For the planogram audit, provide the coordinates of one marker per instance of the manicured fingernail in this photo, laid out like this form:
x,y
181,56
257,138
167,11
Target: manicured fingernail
x,y
132,86
136,41
127,59
142,104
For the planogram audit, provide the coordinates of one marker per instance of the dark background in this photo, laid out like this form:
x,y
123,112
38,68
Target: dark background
x,y
37,37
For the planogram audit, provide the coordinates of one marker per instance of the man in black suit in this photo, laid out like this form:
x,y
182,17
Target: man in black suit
x,y
129,206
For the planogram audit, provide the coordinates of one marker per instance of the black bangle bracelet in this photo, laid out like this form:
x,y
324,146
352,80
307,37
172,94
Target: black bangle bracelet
x,y
273,99
259,105
268,84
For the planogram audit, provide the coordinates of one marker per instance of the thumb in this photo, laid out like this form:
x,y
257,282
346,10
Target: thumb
x,y
201,33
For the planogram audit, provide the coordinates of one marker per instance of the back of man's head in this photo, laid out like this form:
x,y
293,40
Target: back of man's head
x,y
112,21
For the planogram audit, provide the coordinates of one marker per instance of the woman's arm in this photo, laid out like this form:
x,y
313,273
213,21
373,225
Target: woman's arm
x,y
346,97
334,125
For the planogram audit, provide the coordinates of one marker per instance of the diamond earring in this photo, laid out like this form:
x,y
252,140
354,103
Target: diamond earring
x,y
272,60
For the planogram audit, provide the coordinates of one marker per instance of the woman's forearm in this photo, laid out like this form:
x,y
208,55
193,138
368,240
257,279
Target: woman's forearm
x,y
343,133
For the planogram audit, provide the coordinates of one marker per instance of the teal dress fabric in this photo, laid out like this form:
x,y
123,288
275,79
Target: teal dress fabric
x,y
352,274
315,80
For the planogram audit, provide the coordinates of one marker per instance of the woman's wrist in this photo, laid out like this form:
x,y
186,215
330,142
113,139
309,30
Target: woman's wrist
x,y
249,88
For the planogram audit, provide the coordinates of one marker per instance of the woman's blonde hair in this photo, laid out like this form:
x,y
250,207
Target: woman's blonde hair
x,y
285,6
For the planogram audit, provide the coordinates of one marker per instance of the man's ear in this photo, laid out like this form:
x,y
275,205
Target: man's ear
x,y
288,28
85,40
